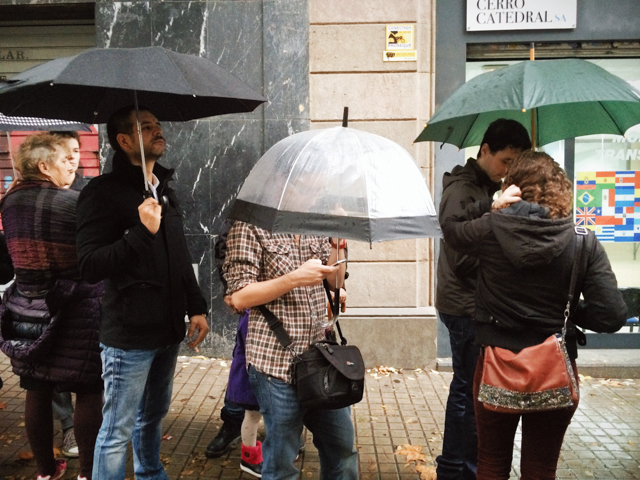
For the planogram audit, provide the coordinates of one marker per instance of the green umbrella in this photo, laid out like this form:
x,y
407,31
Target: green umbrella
x,y
569,98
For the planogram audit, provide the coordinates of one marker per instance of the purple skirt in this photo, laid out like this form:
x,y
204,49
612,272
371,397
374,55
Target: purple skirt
x,y
239,389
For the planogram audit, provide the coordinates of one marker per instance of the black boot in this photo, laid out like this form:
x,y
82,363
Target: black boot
x,y
228,436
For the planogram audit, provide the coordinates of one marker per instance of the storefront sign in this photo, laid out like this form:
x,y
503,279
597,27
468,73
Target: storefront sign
x,y
400,44
486,15
609,204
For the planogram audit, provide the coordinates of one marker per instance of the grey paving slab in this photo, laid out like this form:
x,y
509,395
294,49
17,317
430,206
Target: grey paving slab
x,y
405,407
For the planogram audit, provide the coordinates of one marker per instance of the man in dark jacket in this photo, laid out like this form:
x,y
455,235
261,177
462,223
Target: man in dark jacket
x,y
456,282
138,248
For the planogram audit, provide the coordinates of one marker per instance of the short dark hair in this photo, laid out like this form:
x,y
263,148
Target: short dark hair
x,y
67,134
120,122
505,133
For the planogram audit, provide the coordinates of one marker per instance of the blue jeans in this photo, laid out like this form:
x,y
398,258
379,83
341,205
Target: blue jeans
x,y
137,395
459,459
63,409
333,433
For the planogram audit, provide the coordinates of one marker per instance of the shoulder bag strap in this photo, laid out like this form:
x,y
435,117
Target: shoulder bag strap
x,y
276,327
581,233
335,308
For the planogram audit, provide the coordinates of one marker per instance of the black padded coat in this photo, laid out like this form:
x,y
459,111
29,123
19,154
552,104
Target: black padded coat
x,y
525,261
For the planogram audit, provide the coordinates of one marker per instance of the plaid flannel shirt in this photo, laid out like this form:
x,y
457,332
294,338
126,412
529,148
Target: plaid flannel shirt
x,y
256,255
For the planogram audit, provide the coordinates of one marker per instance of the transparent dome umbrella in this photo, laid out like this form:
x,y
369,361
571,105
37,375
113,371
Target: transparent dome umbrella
x,y
569,98
338,182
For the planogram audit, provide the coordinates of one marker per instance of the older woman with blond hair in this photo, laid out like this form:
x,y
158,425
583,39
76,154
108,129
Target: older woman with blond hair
x,y
49,317
526,245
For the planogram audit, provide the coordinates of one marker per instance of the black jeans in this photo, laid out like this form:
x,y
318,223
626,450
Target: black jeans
x,y
232,413
459,457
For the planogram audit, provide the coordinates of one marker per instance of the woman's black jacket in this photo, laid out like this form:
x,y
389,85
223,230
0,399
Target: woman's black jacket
x,y
524,275
149,280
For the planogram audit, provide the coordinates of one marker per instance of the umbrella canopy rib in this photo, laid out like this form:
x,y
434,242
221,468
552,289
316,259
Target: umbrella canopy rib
x,y
292,168
464,140
613,119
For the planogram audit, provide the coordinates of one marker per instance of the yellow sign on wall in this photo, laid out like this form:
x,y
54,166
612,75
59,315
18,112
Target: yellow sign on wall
x,y
399,37
400,44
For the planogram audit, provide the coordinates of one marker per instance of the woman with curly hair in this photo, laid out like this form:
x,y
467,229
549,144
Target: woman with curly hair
x,y
50,318
526,245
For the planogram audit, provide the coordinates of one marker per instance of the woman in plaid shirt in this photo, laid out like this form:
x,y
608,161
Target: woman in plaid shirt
x,y
285,273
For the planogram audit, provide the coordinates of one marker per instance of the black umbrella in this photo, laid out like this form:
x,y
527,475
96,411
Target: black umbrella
x,y
91,86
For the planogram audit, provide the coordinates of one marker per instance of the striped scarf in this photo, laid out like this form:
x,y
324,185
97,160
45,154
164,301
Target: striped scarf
x,y
39,222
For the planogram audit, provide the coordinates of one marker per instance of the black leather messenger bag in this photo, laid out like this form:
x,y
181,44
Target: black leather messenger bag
x,y
328,375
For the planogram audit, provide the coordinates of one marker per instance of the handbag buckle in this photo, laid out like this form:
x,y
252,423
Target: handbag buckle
x,y
293,353
580,230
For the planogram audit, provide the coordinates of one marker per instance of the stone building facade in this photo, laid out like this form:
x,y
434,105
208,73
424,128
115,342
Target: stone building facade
x,y
310,58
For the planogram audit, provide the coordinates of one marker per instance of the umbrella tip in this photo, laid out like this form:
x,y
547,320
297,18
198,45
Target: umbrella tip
x,y
345,117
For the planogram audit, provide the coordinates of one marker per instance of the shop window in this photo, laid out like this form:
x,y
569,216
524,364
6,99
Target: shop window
x,y
605,170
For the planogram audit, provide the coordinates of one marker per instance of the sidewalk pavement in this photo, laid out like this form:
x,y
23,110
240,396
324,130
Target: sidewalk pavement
x,y
399,408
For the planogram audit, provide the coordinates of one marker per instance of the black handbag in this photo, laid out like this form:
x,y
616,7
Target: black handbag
x,y
328,375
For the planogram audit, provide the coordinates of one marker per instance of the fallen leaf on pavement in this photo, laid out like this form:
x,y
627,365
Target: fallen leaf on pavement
x,y
167,437
3,405
611,383
25,456
412,452
426,472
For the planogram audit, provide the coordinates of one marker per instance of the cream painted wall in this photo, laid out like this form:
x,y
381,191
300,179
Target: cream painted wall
x,y
392,99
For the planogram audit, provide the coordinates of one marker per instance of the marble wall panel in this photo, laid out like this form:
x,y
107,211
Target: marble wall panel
x,y
189,153
234,40
286,67
40,2
123,24
180,26
235,148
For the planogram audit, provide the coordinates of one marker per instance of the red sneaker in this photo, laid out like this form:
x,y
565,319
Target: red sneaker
x,y
251,460
61,467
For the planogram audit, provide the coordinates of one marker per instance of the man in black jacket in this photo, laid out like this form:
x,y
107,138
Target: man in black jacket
x,y
455,292
138,248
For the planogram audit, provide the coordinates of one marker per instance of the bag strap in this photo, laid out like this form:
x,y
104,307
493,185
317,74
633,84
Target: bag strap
x,y
335,308
276,326
581,233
